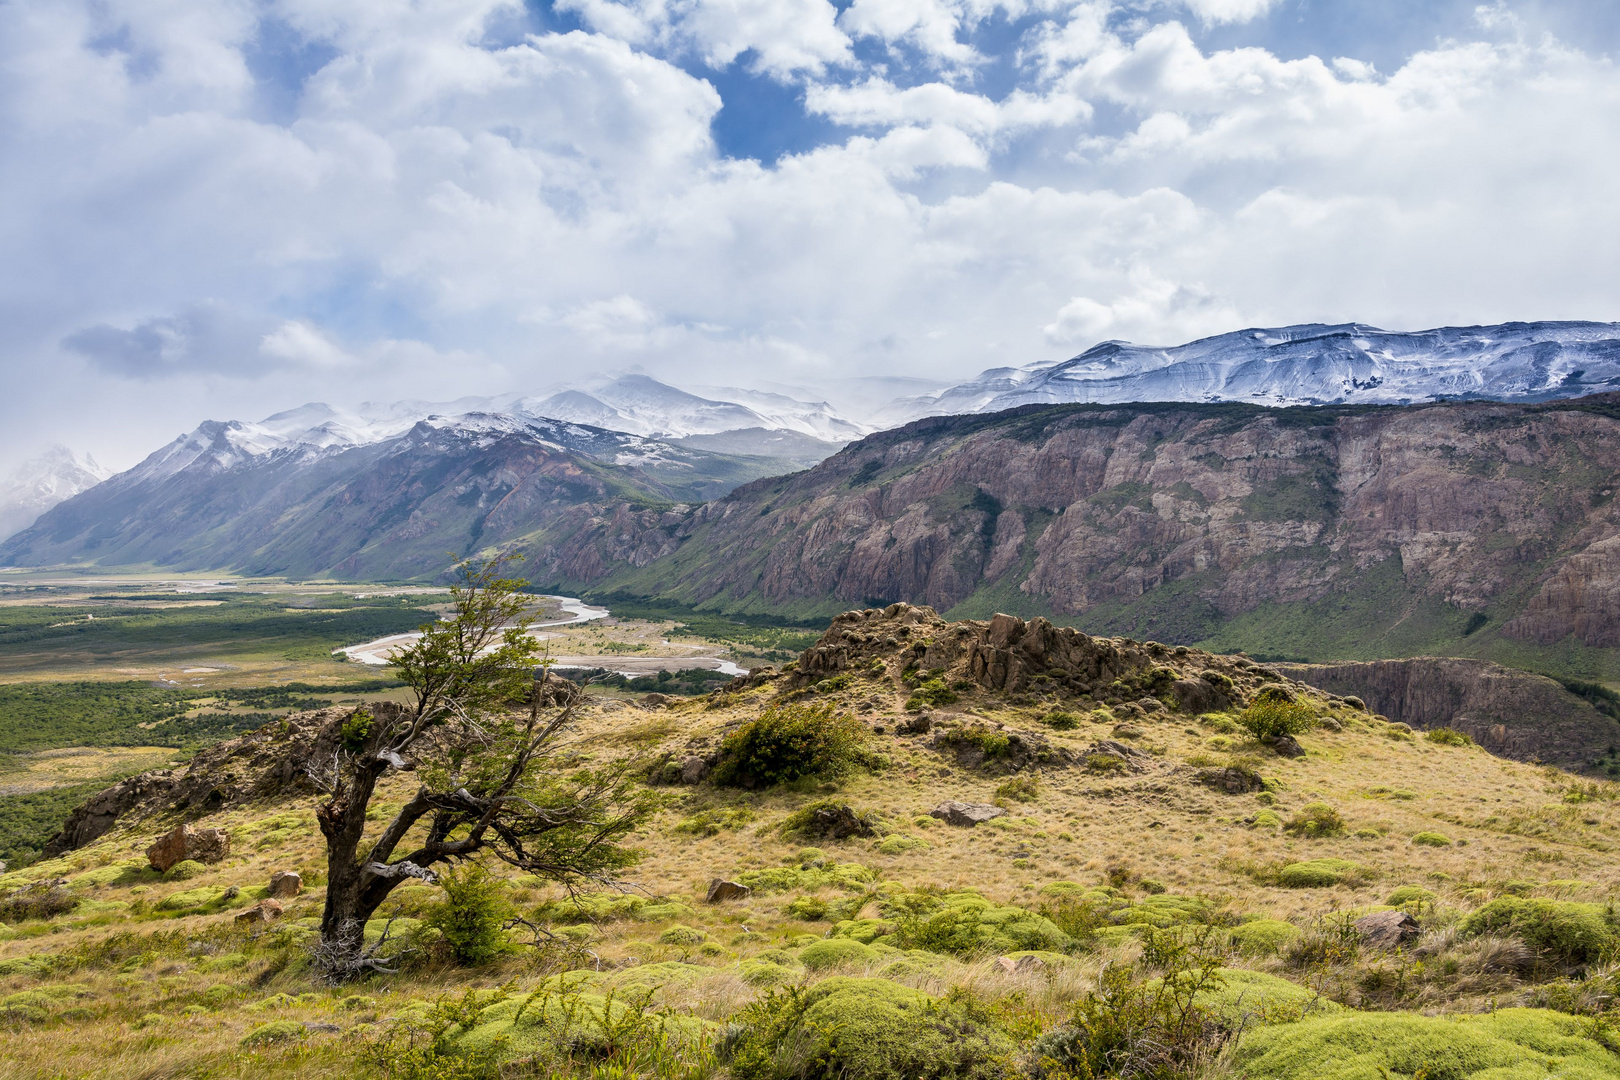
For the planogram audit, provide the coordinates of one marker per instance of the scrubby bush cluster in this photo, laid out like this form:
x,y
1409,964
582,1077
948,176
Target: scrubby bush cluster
x,y
788,742
1274,714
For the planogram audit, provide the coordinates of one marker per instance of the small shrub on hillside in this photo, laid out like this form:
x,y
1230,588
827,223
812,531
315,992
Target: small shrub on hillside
x,y
808,908
1060,720
184,870
1019,788
1409,894
1271,717
788,742
41,900
868,1028
471,915
1105,763
1143,1027
931,693
1315,821
276,1031
1445,736
1561,929
1431,839
987,740
1263,937
682,935
831,819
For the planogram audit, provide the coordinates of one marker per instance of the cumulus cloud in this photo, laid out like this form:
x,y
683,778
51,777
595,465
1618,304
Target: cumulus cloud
x,y
471,204
1229,11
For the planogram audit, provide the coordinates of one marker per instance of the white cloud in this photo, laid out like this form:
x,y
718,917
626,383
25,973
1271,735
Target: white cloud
x,y
472,217
1229,11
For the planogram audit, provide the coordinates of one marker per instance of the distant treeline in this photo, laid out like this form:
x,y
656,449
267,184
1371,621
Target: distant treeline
x,y
46,716
239,624
686,682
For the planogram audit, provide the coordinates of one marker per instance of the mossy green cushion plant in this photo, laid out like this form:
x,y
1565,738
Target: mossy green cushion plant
x,y
1562,929
276,1031
1410,894
1510,1044
1431,839
1263,937
682,935
836,952
872,1029
1320,873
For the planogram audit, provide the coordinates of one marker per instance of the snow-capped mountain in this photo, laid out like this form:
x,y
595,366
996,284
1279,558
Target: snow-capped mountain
x,y
645,406
40,483
1311,364
632,419
318,490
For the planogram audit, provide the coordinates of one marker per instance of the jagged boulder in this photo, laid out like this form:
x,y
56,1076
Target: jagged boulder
x,y
187,842
263,913
1233,781
1387,929
285,884
721,890
967,815
839,822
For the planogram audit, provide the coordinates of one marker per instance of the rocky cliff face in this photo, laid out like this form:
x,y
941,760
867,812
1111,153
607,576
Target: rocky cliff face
x,y
1482,521
1511,713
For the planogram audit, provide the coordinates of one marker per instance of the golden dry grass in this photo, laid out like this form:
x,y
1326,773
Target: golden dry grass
x,y
1508,821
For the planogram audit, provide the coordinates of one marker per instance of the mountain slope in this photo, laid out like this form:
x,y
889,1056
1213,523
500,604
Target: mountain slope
x,y
245,497
40,483
1310,533
1310,364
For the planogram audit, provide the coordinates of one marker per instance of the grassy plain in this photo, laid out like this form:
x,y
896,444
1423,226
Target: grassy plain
x,y
151,977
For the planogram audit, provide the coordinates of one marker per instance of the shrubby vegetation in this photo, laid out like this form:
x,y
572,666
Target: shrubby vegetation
x,y
1274,714
788,742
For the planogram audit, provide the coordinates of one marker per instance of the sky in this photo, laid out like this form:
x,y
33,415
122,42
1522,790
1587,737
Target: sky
x,y
224,208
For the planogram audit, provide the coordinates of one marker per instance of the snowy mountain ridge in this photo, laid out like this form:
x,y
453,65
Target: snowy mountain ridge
x,y
41,482
1308,364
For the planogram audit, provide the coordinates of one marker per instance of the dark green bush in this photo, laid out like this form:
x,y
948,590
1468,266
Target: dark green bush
x,y
1059,720
1273,716
1560,929
471,915
931,693
868,1028
788,742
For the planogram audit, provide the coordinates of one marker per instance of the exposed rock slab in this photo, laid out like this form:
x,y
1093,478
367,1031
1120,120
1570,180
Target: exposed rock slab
x,y
967,815
1387,929
188,842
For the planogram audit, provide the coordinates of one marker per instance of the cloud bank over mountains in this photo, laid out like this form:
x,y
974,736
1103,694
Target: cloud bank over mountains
x,y
224,208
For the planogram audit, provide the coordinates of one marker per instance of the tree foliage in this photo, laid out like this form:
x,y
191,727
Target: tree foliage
x,y
482,735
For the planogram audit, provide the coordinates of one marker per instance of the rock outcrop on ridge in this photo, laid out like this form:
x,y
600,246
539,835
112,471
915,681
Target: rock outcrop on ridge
x,y
1511,713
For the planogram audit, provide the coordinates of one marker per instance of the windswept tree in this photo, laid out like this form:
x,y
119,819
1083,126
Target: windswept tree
x,y
482,735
